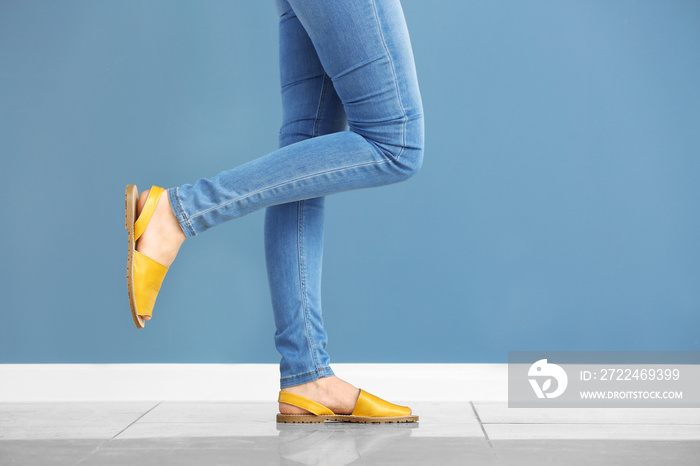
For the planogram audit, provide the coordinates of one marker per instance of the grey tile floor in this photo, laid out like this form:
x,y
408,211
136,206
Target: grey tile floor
x,y
488,433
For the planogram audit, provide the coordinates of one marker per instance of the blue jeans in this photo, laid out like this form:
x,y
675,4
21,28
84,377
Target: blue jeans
x,y
352,118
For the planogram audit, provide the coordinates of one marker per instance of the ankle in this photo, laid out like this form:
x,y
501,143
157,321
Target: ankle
x,y
163,236
332,392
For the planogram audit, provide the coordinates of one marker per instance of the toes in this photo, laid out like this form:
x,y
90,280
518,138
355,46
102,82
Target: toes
x,y
145,317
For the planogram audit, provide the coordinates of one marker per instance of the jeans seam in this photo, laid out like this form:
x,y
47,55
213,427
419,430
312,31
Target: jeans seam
x,y
181,215
396,80
300,220
238,199
319,109
302,278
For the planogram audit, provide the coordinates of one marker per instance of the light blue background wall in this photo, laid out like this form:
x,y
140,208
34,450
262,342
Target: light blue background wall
x,y
557,208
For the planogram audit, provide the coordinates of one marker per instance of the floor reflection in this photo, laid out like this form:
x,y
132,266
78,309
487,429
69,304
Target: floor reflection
x,y
338,444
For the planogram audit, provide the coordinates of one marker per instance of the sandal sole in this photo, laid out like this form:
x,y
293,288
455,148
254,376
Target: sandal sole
x,y
314,419
130,199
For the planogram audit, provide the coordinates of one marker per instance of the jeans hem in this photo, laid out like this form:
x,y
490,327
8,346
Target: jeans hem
x,y
299,379
180,213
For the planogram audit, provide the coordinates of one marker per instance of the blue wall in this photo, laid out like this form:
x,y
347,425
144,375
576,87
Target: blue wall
x,y
557,208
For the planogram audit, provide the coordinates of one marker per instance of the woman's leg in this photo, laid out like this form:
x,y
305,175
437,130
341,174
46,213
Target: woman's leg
x,y
294,231
363,46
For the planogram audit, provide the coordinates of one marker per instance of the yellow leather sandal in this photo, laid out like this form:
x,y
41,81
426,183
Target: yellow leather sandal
x,y
368,409
143,274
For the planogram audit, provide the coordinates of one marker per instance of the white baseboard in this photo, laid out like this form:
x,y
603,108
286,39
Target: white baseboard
x,y
241,382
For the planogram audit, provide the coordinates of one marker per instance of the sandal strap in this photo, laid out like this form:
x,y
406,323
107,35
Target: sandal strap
x,y
304,403
147,212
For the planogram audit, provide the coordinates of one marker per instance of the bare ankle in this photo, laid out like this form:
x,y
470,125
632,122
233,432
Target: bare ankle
x,y
332,392
163,236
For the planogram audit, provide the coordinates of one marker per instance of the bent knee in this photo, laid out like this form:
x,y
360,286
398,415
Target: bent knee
x,y
400,141
410,161
410,155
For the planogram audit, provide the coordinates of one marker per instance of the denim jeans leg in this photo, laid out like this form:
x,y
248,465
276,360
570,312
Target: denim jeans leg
x,y
364,48
363,59
294,230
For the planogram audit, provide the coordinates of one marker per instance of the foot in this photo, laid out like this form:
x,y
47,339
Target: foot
x,y
163,236
332,392
336,394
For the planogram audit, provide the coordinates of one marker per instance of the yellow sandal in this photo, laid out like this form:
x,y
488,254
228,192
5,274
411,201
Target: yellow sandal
x,y
144,275
368,409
